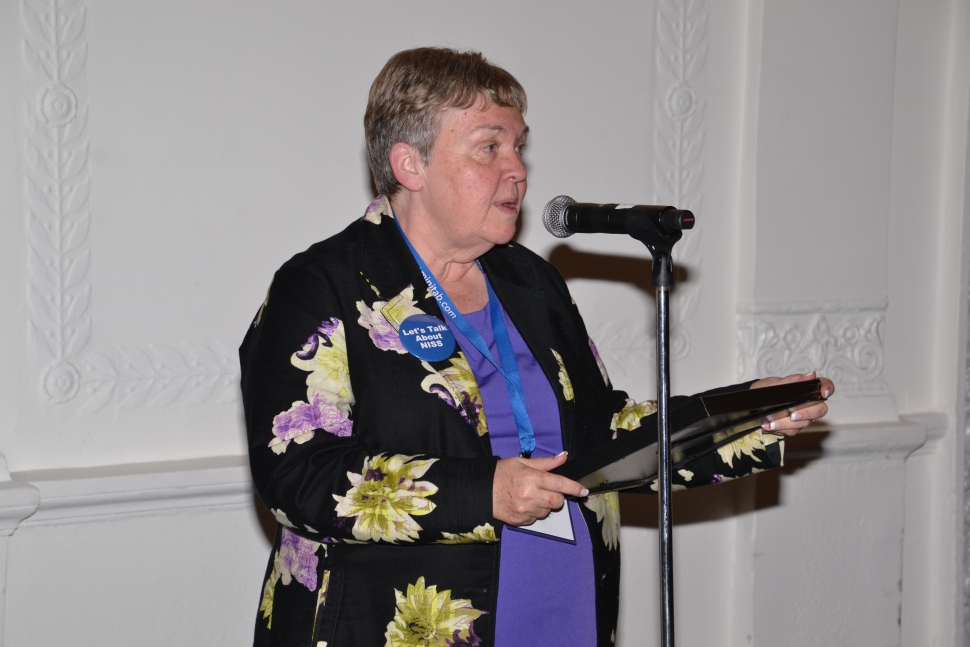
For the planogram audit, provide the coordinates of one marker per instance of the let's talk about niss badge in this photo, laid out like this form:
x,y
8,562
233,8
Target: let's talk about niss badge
x,y
427,338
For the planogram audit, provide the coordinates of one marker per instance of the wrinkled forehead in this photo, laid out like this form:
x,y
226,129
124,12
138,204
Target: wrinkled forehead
x,y
480,120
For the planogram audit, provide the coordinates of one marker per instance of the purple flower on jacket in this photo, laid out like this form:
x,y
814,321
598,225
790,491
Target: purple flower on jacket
x,y
717,479
297,560
309,348
385,337
458,641
457,386
318,413
374,210
442,393
303,418
469,409
326,329
382,319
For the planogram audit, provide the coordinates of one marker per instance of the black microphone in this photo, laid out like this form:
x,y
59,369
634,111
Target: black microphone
x,y
564,217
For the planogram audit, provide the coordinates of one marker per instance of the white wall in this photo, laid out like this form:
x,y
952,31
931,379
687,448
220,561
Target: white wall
x,y
822,146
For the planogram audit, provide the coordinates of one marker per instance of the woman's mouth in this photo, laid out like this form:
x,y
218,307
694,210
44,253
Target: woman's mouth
x,y
509,206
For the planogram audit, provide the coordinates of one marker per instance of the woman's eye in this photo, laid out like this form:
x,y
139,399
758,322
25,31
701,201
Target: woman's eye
x,y
489,148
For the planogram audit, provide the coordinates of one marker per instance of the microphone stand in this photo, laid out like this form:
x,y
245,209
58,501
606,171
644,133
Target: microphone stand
x,y
661,243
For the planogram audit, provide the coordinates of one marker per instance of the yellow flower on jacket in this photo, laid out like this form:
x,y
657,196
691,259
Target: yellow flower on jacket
x,y
385,495
427,618
629,416
383,318
480,535
457,386
607,509
325,357
324,587
567,385
376,209
269,592
745,446
329,395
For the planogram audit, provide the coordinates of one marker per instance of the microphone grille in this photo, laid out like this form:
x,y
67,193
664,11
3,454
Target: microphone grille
x,y
554,216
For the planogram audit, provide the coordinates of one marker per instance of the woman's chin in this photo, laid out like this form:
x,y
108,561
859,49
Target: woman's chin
x,y
506,237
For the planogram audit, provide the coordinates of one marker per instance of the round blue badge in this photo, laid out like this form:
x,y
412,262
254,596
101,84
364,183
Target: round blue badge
x,y
427,338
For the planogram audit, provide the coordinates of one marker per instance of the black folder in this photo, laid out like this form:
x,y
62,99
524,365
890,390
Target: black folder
x,y
698,426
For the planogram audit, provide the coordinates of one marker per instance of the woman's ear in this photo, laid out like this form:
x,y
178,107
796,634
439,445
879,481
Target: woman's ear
x,y
406,164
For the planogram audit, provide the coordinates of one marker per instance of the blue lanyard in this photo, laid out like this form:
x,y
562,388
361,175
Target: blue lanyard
x,y
513,382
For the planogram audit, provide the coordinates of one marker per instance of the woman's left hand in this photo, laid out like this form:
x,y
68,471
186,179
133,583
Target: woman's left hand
x,y
791,424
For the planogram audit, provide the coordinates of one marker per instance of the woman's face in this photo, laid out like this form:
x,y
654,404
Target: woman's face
x,y
475,180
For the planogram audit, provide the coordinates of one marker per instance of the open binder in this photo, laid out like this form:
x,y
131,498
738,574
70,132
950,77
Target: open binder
x,y
699,426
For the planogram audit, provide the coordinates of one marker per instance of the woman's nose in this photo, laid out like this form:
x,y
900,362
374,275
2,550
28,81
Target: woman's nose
x,y
517,171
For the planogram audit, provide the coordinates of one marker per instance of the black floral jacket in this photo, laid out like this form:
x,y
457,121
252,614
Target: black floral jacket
x,y
378,465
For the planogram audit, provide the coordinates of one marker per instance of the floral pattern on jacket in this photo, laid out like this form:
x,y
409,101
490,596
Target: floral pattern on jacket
x,y
564,381
382,319
385,497
481,534
606,505
750,446
427,618
329,394
364,453
457,386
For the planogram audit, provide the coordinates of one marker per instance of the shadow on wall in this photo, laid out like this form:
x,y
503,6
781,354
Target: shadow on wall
x,y
710,503
576,264
697,505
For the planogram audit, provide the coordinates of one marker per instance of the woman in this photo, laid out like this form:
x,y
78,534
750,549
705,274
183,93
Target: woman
x,y
400,374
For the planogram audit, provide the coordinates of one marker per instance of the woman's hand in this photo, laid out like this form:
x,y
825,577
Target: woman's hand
x,y
523,490
791,424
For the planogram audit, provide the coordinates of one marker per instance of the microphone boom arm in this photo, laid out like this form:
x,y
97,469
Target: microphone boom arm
x,y
660,242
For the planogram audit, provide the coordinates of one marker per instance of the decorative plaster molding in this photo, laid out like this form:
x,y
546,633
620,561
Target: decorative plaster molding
x,y
678,141
624,344
841,340
18,500
159,375
95,493
59,254
815,307
845,345
77,495
59,290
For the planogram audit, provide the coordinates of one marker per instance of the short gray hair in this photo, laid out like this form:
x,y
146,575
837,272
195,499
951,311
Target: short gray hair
x,y
408,96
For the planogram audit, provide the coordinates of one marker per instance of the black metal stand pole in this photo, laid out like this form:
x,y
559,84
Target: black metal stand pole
x,y
659,235
663,448
659,228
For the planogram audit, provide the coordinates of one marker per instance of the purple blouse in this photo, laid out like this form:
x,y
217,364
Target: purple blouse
x,y
546,590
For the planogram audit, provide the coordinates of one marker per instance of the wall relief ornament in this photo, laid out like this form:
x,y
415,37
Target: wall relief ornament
x,y
678,141
57,182
625,346
841,340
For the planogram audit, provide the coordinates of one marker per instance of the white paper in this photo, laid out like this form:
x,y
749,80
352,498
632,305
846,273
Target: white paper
x,y
558,524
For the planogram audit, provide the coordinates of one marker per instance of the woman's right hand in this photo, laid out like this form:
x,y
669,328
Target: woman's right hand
x,y
523,490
